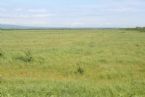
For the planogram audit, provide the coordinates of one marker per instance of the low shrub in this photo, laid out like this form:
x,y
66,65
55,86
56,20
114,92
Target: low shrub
x,y
1,53
27,57
80,70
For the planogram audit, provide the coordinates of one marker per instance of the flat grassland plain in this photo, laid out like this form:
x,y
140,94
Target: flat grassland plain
x,y
72,63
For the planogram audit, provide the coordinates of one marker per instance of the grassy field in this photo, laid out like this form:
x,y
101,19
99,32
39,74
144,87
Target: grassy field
x,y
72,63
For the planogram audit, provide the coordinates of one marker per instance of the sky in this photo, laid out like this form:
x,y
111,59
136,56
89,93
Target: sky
x,y
73,13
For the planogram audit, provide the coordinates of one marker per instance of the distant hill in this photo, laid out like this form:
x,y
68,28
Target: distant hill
x,y
8,26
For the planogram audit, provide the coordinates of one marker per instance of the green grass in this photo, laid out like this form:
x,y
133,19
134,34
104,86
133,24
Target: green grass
x,y
72,63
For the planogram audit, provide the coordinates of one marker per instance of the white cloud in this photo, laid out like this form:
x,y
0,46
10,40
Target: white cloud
x,y
37,10
23,21
33,16
26,16
18,9
20,13
2,10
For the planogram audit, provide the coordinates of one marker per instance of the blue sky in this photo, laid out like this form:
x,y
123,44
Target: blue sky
x,y
73,13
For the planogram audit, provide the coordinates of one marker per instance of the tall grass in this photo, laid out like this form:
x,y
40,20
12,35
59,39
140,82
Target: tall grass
x,y
72,63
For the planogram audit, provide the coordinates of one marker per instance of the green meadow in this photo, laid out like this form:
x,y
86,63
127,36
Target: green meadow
x,y
72,63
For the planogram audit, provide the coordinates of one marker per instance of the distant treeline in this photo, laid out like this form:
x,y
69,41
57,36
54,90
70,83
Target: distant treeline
x,y
141,29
